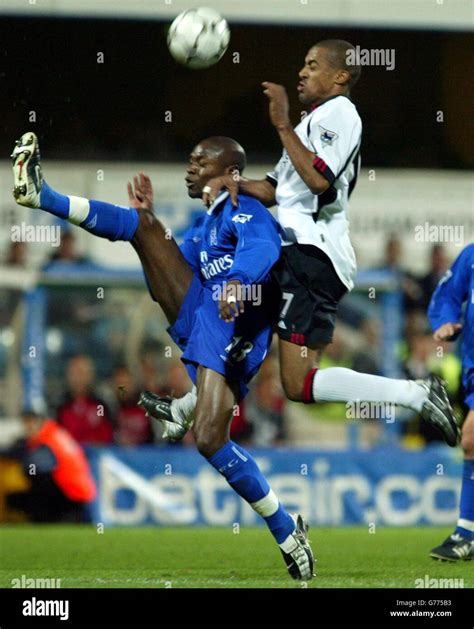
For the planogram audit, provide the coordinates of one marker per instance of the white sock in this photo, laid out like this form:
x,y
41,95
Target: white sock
x,y
338,384
183,408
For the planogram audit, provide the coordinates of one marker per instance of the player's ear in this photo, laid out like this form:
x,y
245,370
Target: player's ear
x,y
234,171
342,77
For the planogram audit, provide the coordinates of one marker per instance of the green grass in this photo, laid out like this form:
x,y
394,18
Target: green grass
x,y
215,557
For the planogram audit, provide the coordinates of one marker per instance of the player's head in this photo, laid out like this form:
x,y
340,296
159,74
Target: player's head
x,y
213,157
328,70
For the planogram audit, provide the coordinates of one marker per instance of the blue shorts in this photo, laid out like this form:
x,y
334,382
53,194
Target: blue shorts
x,y
236,350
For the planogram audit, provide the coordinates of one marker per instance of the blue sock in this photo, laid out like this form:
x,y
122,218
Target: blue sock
x,y
244,476
114,222
465,525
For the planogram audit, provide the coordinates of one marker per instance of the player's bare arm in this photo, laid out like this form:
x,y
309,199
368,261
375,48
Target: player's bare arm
x,y
301,157
260,189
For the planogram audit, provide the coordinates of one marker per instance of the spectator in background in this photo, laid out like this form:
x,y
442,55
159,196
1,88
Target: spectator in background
x,y
367,359
61,484
177,382
149,372
266,404
67,251
410,287
132,426
17,254
420,346
439,264
82,413
241,430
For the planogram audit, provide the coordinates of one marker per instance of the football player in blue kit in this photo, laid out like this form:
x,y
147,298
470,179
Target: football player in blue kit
x,y
200,287
448,320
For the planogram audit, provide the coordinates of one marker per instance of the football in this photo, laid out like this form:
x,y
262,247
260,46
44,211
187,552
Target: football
x,y
198,38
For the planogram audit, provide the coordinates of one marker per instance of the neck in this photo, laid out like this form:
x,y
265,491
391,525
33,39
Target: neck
x,y
322,99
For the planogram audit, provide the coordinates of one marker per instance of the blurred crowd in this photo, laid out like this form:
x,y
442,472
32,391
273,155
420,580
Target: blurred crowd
x,y
107,411
98,403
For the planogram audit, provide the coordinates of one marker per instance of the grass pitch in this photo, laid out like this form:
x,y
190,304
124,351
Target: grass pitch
x,y
154,557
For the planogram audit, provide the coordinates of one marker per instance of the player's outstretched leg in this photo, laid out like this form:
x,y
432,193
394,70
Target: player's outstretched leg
x,y
304,382
428,397
460,544
214,408
168,274
110,221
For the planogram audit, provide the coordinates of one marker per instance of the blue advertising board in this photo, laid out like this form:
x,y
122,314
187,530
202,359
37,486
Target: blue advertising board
x,y
175,485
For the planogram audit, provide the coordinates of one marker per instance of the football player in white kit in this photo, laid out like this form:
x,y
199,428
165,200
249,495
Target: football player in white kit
x,y
311,185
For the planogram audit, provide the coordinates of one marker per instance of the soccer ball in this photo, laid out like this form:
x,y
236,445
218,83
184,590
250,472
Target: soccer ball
x,y
198,37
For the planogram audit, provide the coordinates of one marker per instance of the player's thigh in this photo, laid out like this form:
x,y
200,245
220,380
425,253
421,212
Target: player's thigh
x,y
168,274
467,440
216,398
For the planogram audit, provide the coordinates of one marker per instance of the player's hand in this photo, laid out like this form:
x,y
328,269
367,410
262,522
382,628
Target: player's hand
x,y
446,331
214,186
230,303
278,105
140,195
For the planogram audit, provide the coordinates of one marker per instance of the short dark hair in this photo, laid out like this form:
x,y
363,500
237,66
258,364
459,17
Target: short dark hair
x,y
338,49
228,150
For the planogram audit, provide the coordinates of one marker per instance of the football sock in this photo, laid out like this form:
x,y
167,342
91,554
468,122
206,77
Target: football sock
x,y
182,409
244,476
338,384
465,525
106,220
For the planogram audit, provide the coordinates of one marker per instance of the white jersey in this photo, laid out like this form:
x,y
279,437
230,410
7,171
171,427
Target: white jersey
x,y
333,131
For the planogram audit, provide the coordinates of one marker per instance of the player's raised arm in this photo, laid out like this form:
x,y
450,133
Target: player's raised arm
x,y
301,157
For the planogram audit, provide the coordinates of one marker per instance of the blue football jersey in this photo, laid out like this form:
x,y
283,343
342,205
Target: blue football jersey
x,y
228,243
454,290
233,243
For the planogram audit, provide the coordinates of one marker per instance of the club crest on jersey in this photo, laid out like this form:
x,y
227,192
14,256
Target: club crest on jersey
x,y
242,218
327,137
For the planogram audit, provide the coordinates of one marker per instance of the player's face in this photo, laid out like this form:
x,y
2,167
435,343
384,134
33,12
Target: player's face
x,y
203,166
317,77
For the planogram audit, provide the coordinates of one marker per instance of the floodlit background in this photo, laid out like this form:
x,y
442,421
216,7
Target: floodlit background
x,y
84,308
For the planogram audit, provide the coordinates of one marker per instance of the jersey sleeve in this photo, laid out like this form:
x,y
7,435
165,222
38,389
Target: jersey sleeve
x,y
452,291
258,241
334,138
272,176
190,246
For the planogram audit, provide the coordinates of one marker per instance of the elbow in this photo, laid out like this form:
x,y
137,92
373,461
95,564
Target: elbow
x,y
319,186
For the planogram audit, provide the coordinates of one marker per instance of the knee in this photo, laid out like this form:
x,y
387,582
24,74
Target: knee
x,y
208,440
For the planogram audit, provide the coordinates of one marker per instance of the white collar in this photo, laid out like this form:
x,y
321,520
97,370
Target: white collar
x,y
220,197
